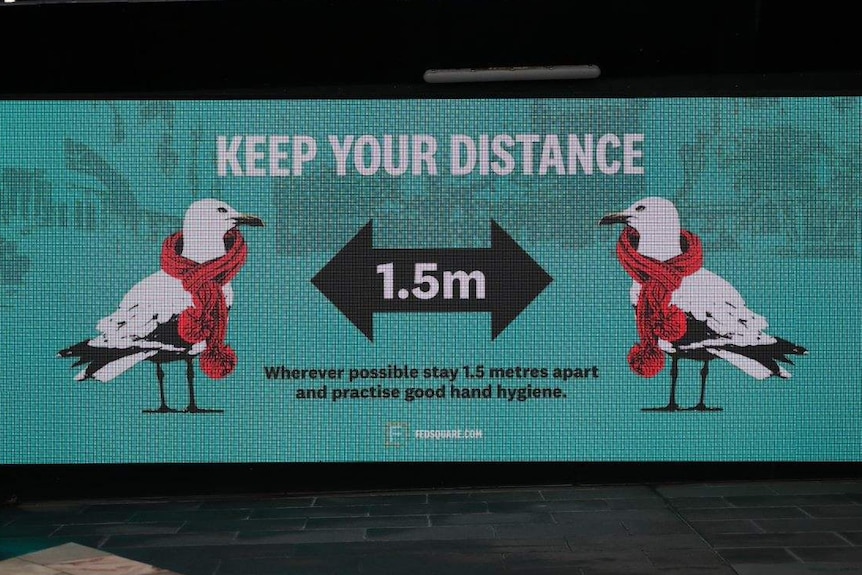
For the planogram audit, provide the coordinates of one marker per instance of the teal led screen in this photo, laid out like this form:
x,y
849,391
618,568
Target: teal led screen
x,y
584,280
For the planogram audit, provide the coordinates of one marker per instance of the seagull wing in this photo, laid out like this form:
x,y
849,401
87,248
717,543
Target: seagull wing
x,y
155,301
710,299
720,324
143,325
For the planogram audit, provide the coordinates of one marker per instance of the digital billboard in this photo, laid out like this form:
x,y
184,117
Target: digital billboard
x,y
430,280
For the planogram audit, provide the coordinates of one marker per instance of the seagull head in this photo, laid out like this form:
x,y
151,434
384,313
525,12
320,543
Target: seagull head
x,y
649,216
214,218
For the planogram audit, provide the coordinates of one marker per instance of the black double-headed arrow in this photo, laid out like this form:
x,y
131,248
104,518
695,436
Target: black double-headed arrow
x,y
361,280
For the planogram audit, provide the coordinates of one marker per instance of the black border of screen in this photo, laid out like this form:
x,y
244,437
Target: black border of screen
x,y
56,481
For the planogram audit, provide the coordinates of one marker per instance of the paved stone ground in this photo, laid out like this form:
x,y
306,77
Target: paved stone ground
x,y
759,528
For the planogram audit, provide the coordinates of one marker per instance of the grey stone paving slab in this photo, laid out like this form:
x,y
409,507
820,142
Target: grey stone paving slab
x,y
724,570
810,524
35,543
829,554
672,557
48,507
491,518
798,569
698,502
594,528
284,524
656,527
542,570
619,515
367,522
772,555
197,564
238,550
790,500
609,492
454,532
742,513
176,540
813,487
641,503
431,508
288,512
313,536
776,540
288,566
27,530
524,560
716,490
64,518
134,506
854,510
615,543
619,561
263,503
518,495
476,546
350,551
853,537
197,515
725,526
547,506
70,505
617,568
119,529
422,563
382,499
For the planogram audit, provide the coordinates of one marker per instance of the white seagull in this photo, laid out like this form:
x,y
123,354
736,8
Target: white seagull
x,y
145,326
718,323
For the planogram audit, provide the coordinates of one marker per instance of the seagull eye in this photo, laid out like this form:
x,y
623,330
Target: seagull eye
x,y
223,210
640,208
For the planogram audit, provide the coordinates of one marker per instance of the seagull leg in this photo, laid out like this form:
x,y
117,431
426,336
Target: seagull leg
x,y
163,408
704,372
193,407
671,404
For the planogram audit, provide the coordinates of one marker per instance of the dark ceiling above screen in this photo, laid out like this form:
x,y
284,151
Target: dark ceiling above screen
x,y
218,45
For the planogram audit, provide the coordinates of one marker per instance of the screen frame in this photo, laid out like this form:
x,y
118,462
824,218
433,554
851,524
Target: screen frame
x,y
58,481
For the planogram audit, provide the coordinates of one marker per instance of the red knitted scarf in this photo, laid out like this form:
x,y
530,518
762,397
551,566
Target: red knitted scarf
x,y
208,316
656,317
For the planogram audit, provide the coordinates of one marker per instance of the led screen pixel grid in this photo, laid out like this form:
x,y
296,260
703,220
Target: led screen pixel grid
x,y
434,280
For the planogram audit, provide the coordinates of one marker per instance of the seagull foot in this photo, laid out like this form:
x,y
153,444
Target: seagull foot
x,y
196,409
162,409
668,407
702,407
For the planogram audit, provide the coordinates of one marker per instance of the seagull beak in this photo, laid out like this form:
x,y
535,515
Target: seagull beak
x,y
245,220
611,219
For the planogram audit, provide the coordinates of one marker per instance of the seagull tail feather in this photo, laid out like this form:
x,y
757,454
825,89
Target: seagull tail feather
x,y
75,350
786,348
761,361
103,364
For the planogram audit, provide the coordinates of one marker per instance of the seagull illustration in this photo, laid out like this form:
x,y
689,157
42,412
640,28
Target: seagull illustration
x,y
178,313
684,310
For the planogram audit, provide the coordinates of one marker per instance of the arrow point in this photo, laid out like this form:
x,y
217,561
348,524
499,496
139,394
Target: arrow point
x,y
518,279
365,324
344,280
